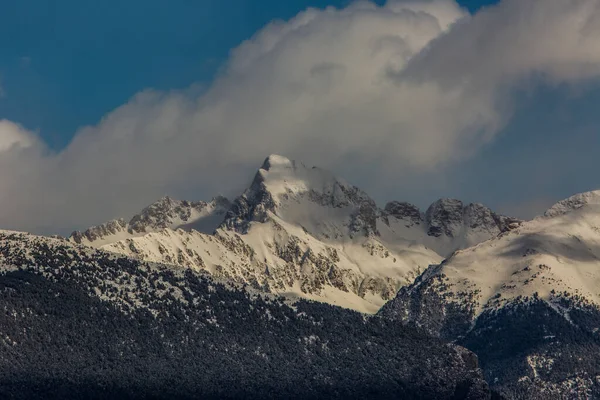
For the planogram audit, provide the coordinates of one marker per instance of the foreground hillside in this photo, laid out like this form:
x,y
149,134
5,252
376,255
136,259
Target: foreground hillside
x,y
83,323
527,302
302,232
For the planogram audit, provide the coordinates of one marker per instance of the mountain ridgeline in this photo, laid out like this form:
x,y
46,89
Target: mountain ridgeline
x,y
304,233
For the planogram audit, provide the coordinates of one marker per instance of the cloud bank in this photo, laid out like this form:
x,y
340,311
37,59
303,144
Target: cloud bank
x,y
406,88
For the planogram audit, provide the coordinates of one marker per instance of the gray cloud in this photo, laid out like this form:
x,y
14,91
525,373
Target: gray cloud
x,y
406,89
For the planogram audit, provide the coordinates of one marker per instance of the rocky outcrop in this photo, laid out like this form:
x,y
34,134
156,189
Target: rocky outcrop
x,y
404,211
252,206
445,217
110,228
451,218
164,213
167,212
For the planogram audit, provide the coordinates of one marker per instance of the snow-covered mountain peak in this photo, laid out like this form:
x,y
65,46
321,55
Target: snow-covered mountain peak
x,y
313,198
283,178
275,161
574,203
279,175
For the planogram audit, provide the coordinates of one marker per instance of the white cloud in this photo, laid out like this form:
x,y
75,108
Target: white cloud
x,y
406,88
14,137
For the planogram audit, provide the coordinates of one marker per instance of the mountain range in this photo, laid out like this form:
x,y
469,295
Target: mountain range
x,y
302,232
303,287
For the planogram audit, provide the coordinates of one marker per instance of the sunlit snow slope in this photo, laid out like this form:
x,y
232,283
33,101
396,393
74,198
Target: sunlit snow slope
x,y
555,253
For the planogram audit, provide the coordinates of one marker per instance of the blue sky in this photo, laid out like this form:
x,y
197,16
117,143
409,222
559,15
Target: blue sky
x,y
411,100
66,63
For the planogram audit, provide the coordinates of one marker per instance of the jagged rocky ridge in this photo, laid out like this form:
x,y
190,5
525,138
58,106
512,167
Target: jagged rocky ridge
x,y
81,323
166,213
448,224
526,302
303,232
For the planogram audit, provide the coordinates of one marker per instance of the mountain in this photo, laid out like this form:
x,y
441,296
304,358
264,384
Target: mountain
x,y
527,302
303,232
82,323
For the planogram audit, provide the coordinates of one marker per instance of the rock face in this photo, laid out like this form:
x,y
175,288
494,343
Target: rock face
x,y
253,204
302,232
452,219
83,323
527,303
445,217
404,211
